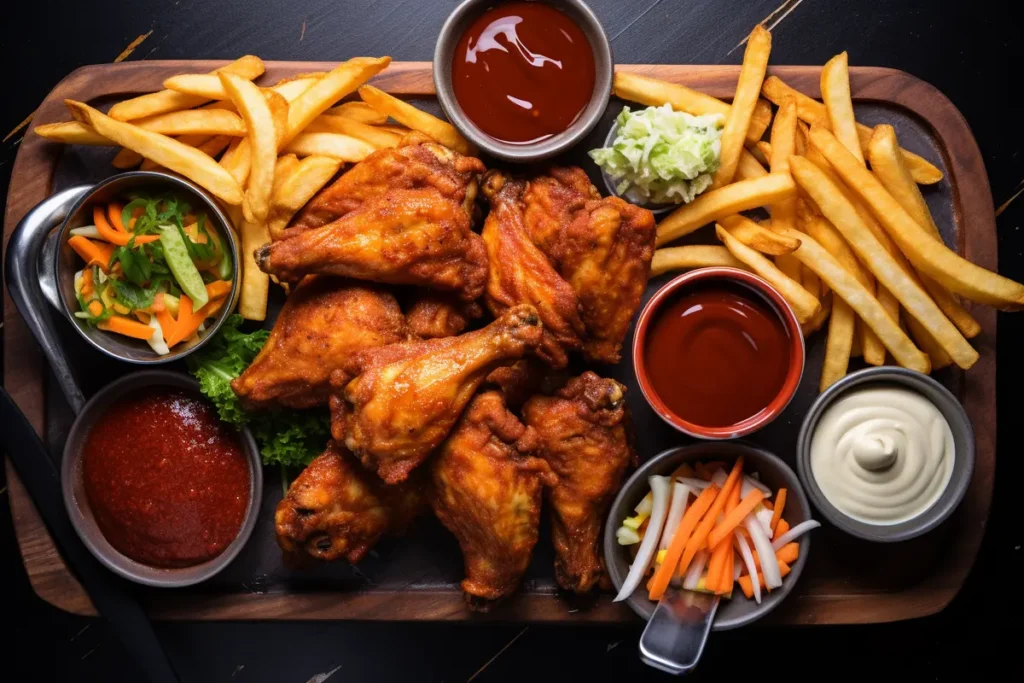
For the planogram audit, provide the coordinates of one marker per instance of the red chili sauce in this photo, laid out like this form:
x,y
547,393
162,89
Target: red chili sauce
x,y
523,71
167,482
717,355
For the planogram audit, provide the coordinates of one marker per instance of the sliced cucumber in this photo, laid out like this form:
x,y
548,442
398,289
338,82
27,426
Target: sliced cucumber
x,y
225,268
184,271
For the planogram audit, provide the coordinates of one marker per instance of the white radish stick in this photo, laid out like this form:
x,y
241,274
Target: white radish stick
x,y
748,560
700,560
676,510
645,555
794,533
763,546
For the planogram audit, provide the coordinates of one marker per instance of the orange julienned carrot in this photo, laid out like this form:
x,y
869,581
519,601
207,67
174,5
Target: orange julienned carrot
x,y
717,566
114,213
768,504
787,553
700,534
183,321
733,518
113,236
748,587
93,253
782,528
88,286
187,326
780,504
127,327
96,307
659,582
218,288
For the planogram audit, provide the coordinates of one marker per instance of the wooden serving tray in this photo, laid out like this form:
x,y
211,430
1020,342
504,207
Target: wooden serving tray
x,y
846,581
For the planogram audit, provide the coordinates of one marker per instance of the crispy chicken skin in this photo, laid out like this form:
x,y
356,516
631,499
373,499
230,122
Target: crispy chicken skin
x,y
411,166
519,381
402,237
586,437
323,323
395,404
487,490
519,273
601,247
433,315
335,509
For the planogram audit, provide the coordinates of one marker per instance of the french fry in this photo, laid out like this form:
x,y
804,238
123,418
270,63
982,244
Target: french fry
x,y
755,64
810,280
168,152
693,256
393,128
835,92
249,67
758,238
762,151
842,214
150,165
126,158
283,169
236,160
335,145
926,342
195,122
72,133
814,113
819,320
889,168
783,145
380,139
341,81
215,145
252,302
206,86
847,288
838,344
291,89
307,178
926,253
654,93
761,118
359,111
725,201
262,136
804,305
749,167
408,115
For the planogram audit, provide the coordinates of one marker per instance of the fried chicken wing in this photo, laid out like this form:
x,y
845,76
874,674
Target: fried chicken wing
x,y
397,403
519,272
322,324
402,237
411,166
487,491
433,315
586,437
335,509
552,200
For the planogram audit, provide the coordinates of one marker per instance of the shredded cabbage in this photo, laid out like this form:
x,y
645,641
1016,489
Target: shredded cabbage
x,y
662,156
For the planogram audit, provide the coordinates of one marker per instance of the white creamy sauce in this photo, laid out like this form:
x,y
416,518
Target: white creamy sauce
x,y
882,455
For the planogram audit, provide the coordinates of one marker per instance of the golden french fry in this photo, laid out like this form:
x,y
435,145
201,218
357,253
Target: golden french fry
x,y
815,114
236,160
249,67
804,305
693,256
215,145
194,122
758,238
760,118
126,158
818,321
341,81
206,86
358,111
168,152
762,151
749,167
309,75
192,140
847,288
926,253
755,64
72,133
396,129
835,92
335,145
940,359
262,136
789,266
655,93
252,302
418,120
838,344
842,214
291,89
283,169
304,181
783,145
150,165
346,126
810,280
874,351
888,167
725,201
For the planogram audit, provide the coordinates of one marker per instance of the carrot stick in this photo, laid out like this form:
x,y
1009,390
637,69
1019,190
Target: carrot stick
x,y
700,535
93,253
780,503
659,582
127,327
684,470
218,288
113,236
189,322
782,528
768,504
787,553
167,323
88,286
114,213
183,321
716,568
732,519
748,587
96,307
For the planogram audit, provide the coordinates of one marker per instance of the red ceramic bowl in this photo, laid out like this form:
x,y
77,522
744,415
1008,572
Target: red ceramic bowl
x,y
768,294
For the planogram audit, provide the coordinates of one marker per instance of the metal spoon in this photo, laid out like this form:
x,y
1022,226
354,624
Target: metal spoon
x,y
677,631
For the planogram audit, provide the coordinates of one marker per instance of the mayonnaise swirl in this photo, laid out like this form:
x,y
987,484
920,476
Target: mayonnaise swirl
x,y
882,455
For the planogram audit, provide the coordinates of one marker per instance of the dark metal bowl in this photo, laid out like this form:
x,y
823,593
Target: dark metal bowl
x,y
773,472
77,503
604,68
64,262
963,458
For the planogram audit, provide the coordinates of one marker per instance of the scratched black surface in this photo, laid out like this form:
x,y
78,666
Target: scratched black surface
x,y
963,48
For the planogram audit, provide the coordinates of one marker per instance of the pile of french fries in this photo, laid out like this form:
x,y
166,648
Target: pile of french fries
x,y
850,241
263,152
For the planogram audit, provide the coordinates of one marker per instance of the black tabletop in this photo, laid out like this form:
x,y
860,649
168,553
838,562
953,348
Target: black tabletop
x,y
966,49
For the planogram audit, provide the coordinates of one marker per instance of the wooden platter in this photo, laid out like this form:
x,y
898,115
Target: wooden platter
x,y
846,581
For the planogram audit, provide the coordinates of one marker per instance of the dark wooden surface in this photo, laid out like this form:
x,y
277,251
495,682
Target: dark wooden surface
x,y
960,48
